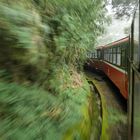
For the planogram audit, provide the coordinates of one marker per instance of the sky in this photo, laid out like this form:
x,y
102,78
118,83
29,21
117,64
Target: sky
x,y
115,30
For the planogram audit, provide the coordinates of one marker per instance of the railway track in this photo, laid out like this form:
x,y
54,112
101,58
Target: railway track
x,y
97,113
113,112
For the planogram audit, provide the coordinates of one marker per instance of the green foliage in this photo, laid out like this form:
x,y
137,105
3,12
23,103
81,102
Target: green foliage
x,y
43,45
48,33
124,7
80,22
31,113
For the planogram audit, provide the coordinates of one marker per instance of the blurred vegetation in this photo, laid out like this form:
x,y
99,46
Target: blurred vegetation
x,y
43,45
124,7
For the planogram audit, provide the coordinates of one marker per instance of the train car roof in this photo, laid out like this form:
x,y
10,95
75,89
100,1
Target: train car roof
x,y
114,43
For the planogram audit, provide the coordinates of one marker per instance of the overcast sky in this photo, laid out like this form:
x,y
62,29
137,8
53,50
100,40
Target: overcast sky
x,y
115,30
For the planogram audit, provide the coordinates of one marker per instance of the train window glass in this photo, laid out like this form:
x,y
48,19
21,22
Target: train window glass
x,y
99,54
114,55
114,58
118,50
123,58
118,56
104,55
107,55
96,54
89,55
111,56
119,59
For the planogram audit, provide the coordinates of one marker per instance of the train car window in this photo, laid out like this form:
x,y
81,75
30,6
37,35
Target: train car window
x,y
99,54
111,55
107,54
114,55
136,52
118,56
96,54
89,55
104,54
123,57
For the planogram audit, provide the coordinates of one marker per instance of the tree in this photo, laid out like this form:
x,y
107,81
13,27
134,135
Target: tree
x,y
124,7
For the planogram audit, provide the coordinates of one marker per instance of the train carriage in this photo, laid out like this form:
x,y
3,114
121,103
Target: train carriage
x,y
113,61
115,64
96,59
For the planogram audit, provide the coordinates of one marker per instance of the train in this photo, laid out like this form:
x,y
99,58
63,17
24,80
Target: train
x,y
120,62
112,60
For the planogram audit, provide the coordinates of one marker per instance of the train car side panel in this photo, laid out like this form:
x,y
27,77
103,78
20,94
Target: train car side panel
x,y
118,77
